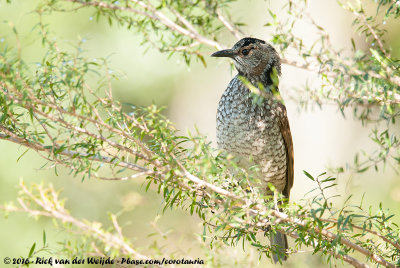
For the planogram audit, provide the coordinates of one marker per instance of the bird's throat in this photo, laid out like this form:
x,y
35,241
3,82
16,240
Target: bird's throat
x,y
265,73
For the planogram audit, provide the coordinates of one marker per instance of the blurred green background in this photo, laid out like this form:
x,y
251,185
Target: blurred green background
x,y
321,137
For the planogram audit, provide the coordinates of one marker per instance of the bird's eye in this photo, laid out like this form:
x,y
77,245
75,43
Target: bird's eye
x,y
245,52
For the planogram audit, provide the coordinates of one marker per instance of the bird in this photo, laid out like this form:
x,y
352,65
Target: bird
x,y
257,133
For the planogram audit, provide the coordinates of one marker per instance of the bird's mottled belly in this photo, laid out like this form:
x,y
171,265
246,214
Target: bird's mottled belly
x,y
251,131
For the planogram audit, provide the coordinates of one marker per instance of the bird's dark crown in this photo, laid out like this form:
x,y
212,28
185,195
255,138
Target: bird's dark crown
x,y
254,58
247,41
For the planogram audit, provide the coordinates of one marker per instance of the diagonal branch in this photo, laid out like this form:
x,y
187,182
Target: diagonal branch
x,y
53,209
229,26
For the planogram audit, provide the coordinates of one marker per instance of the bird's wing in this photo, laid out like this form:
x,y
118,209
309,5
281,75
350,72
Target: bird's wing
x,y
287,137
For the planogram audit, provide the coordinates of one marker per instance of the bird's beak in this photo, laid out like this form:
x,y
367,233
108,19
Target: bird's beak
x,y
225,53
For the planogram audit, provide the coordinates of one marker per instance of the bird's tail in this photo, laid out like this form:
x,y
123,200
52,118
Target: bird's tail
x,y
280,244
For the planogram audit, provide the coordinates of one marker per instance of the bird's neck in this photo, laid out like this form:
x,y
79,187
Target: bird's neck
x,y
267,76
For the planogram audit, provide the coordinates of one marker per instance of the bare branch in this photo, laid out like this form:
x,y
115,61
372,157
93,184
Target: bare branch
x,y
229,26
50,209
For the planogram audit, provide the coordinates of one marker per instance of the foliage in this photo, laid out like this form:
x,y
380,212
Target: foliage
x,y
55,109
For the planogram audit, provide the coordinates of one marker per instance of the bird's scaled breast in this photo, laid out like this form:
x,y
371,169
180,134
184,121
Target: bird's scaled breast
x,y
243,124
247,129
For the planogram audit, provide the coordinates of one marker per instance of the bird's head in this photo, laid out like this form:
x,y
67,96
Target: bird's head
x,y
253,58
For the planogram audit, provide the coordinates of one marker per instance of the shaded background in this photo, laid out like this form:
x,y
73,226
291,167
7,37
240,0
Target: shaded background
x,y
322,137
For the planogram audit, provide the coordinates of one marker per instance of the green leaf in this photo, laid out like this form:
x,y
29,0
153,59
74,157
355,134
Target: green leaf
x,y
202,60
273,15
44,238
32,250
22,155
308,175
175,197
204,232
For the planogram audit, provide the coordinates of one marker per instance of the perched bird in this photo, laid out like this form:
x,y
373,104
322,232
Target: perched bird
x,y
257,131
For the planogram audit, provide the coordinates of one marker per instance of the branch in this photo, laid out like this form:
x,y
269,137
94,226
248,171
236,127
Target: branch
x,y
280,216
234,31
49,206
350,260
71,154
154,14
332,236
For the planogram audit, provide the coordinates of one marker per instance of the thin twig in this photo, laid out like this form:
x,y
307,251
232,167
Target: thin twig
x,y
234,31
